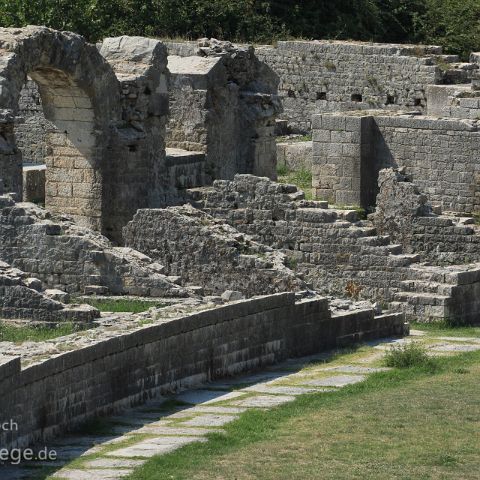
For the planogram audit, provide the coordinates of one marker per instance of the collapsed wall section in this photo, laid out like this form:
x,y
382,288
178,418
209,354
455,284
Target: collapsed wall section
x,y
22,298
209,253
77,260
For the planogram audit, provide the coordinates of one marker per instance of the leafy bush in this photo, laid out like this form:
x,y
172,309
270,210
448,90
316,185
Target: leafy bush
x,y
451,23
408,355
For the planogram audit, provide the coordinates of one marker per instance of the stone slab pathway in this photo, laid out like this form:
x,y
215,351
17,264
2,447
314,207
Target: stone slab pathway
x,y
138,434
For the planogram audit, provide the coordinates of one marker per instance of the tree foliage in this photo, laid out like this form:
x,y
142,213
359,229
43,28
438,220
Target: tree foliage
x,y
454,24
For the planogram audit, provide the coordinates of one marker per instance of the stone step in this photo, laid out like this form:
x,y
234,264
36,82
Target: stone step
x,y
395,249
375,241
403,260
420,298
427,287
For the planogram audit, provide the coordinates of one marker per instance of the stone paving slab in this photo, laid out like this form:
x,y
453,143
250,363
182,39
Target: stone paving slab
x,y
264,401
336,381
280,390
94,474
249,379
176,431
356,369
113,463
148,449
455,348
211,409
206,397
210,420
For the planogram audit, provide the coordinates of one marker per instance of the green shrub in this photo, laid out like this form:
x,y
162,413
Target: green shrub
x,y
408,355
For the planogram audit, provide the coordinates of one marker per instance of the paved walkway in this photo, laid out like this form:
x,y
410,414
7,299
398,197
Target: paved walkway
x,y
157,428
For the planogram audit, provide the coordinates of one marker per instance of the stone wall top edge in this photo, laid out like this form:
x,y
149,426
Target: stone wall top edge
x,y
403,120
365,48
150,334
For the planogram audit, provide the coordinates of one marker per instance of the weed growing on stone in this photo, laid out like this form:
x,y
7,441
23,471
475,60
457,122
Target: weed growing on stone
x,y
408,355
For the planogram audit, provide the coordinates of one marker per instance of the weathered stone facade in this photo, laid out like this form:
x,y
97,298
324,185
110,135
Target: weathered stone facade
x,y
205,252
439,154
22,298
223,103
324,76
338,254
75,259
31,127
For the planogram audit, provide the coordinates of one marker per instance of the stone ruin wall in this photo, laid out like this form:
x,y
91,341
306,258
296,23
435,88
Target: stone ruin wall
x,y
405,215
223,103
22,297
209,253
322,76
440,155
59,393
338,254
77,260
31,127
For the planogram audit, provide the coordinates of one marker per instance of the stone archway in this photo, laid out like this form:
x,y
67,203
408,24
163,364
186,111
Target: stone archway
x,y
81,97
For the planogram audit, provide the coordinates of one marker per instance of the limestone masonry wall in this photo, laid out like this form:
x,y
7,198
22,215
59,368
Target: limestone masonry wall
x,y
32,129
59,393
322,76
77,260
336,253
209,253
404,214
22,298
223,103
439,154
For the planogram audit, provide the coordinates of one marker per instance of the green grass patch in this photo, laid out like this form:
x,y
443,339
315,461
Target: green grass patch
x,y
121,305
446,329
404,423
11,333
302,178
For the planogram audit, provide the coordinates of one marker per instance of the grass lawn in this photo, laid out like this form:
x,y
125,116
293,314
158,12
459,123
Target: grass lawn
x,y
415,423
9,333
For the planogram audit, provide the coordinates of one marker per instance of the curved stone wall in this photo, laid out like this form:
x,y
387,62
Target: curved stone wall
x,y
47,398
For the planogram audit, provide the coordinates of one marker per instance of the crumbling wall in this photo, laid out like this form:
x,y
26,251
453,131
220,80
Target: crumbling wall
x,y
192,245
32,126
223,103
322,76
75,259
403,213
334,251
438,154
338,254
22,298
